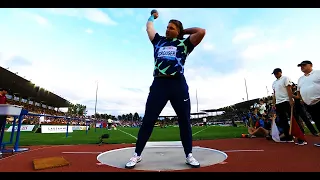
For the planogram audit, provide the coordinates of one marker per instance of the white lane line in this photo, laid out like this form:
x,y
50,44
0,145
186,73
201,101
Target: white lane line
x,y
128,134
81,152
245,150
200,131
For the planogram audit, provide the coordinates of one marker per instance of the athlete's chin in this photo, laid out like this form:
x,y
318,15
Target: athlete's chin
x,y
168,36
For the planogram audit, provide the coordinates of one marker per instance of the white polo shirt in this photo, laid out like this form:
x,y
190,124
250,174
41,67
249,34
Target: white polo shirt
x,y
309,87
279,87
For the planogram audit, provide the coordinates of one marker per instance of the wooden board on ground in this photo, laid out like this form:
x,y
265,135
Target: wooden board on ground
x,y
51,162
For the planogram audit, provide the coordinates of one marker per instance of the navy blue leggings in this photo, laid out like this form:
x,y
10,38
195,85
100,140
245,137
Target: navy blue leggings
x,y
162,90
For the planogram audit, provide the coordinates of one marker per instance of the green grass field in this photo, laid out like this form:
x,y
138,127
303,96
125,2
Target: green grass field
x,y
118,136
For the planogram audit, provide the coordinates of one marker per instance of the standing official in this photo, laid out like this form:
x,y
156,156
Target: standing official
x,y
283,100
309,91
300,111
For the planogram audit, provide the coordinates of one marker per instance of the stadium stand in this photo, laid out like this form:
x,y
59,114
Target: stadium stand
x,y
35,99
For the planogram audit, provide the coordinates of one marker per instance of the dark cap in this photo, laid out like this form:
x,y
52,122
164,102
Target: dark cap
x,y
4,89
276,70
304,63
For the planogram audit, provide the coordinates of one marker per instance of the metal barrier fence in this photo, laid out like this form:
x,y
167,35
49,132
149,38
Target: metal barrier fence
x,y
6,110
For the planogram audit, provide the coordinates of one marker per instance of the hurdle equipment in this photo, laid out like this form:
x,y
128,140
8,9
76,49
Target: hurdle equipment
x,y
16,112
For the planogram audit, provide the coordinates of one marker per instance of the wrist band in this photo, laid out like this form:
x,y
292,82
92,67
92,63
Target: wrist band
x,y
151,18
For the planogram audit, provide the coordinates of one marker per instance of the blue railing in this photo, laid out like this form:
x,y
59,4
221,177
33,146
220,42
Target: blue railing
x,y
20,118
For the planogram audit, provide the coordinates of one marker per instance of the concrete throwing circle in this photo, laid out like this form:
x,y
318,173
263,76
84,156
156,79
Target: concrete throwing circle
x,y
161,158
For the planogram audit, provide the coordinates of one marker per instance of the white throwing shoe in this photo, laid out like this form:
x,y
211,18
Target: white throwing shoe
x,y
133,161
190,160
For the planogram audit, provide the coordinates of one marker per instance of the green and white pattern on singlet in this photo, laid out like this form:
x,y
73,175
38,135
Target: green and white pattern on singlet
x,y
170,55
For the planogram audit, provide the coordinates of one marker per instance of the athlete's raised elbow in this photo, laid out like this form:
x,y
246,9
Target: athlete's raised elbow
x,y
202,32
197,37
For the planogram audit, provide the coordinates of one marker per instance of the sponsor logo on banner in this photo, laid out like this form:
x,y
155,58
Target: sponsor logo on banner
x,y
22,128
55,129
80,128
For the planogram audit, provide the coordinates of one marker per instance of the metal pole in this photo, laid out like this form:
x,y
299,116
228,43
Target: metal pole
x,y
245,83
67,132
95,110
86,126
197,102
267,91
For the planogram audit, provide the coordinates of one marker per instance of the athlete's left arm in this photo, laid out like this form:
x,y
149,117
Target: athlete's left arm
x,y
196,35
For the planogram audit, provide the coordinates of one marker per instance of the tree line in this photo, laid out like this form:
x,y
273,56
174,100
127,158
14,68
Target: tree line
x,y
79,110
126,117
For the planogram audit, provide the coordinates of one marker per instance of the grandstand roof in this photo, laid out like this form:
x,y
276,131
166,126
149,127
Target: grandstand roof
x,y
26,89
199,113
167,116
241,105
212,110
246,104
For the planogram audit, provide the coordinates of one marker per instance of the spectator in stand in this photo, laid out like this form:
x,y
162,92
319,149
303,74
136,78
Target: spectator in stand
x,y
244,119
248,116
262,106
283,100
204,121
300,111
268,107
253,118
3,100
309,91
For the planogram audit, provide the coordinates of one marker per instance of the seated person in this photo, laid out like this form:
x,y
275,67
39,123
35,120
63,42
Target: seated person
x,y
247,121
253,119
262,127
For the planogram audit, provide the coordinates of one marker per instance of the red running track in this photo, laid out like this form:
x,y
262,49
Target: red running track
x,y
275,157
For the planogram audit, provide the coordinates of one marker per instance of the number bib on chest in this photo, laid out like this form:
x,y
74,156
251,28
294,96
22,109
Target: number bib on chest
x,y
168,52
